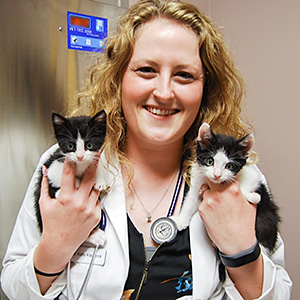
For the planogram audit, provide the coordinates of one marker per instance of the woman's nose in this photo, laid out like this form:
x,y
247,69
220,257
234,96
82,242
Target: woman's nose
x,y
163,89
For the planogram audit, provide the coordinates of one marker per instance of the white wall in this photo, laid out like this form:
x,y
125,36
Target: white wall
x,y
265,40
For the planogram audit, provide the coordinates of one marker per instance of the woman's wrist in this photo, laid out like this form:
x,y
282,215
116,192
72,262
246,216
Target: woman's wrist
x,y
49,260
37,271
248,279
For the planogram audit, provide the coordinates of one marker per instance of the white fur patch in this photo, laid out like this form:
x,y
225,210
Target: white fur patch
x,y
54,173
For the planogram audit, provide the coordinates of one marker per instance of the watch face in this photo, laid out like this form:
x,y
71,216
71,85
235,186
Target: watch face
x,y
163,230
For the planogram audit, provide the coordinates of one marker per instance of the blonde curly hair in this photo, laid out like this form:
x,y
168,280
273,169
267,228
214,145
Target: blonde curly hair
x,y
223,89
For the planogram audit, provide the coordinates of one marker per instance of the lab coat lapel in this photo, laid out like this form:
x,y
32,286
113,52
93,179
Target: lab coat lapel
x,y
204,262
114,205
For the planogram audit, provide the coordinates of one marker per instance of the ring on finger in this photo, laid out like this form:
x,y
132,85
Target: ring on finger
x,y
202,190
94,188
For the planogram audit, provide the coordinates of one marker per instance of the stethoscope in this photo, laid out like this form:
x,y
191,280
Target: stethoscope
x,y
102,226
164,229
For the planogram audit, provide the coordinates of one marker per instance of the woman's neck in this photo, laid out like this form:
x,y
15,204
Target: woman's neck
x,y
152,185
158,161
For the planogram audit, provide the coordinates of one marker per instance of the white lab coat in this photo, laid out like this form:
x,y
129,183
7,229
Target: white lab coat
x,y
109,272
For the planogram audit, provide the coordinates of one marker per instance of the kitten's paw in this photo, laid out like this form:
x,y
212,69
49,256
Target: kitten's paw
x,y
77,182
97,237
253,197
180,222
100,187
57,194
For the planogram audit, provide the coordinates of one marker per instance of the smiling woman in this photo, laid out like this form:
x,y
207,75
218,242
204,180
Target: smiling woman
x,y
164,72
163,84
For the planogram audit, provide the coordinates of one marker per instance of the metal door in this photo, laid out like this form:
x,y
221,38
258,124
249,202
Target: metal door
x,y
38,75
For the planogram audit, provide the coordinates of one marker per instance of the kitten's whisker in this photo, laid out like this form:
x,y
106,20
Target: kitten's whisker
x,y
231,180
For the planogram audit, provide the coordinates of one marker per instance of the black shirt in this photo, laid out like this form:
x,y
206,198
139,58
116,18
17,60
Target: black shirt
x,y
166,275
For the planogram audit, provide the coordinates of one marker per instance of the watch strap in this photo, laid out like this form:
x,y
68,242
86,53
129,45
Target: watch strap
x,y
241,258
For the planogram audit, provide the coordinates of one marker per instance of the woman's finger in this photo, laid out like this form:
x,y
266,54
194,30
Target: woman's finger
x,y
95,193
89,177
68,176
44,184
203,188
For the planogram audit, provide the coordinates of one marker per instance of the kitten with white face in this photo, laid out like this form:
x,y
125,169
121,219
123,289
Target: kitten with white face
x,y
222,158
79,139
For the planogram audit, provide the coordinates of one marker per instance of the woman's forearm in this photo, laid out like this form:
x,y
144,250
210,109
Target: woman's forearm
x,y
50,260
248,279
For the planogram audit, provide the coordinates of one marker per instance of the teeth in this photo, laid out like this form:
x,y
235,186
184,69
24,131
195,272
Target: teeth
x,y
160,112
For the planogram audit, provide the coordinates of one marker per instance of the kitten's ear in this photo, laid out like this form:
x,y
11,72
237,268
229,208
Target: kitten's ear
x,y
204,134
57,119
99,118
246,143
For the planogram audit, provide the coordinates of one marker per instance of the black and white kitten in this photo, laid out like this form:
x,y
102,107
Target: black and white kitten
x,y
79,139
222,158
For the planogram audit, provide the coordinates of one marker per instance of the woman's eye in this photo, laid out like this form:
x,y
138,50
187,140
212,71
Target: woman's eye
x,y
229,167
185,76
146,70
209,161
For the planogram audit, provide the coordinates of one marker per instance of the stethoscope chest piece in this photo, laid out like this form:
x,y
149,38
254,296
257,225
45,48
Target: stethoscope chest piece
x,y
163,230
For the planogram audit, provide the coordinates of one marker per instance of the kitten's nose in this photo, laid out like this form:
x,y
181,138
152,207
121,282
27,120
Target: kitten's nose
x,y
217,174
79,157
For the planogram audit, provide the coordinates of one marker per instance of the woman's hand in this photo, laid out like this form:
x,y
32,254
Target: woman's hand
x,y
67,220
229,218
230,222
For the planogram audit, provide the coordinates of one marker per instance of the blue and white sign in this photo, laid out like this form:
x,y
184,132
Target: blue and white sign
x,y
86,33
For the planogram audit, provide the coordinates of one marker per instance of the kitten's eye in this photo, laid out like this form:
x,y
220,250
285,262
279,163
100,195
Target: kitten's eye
x,y
89,146
209,161
70,147
229,167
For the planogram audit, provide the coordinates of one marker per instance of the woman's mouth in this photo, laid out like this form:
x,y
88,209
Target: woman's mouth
x,y
161,112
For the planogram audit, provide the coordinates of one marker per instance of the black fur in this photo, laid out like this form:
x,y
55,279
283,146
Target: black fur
x,y
267,216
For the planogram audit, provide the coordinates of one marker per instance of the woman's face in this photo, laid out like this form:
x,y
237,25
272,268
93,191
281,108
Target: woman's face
x,y
163,84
